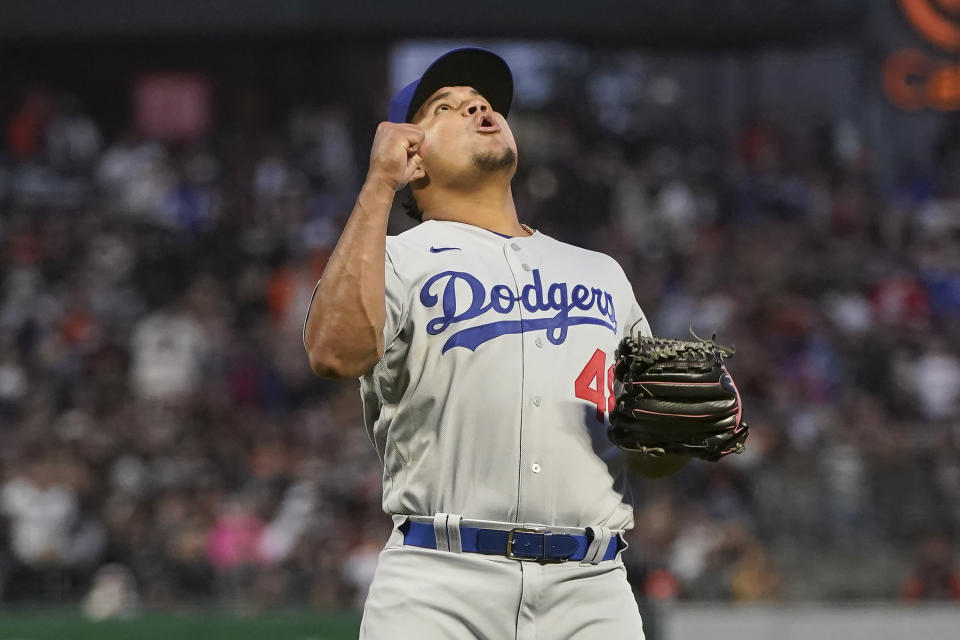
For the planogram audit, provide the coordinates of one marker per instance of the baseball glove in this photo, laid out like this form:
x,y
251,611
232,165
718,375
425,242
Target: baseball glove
x,y
677,397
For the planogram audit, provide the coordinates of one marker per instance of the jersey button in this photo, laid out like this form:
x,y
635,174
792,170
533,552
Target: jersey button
x,y
515,246
535,467
537,401
539,342
525,266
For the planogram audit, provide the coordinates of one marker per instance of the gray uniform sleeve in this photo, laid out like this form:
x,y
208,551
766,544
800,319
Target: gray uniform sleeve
x,y
396,303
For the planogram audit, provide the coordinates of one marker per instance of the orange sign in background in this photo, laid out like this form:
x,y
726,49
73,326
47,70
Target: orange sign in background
x,y
914,80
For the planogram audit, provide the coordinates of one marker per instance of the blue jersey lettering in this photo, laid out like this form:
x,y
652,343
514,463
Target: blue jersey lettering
x,y
532,298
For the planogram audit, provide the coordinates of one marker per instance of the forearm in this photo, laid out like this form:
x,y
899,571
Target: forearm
x,y
344,328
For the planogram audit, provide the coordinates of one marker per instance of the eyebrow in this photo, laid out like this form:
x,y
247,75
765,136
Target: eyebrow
x,y
441,96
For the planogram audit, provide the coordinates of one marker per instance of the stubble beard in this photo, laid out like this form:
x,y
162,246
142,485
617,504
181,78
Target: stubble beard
x,y
491,162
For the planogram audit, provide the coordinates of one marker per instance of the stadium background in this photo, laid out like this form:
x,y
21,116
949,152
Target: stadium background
x,y
173,176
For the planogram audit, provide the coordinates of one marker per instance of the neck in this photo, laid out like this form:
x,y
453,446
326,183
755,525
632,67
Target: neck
x,y
490,207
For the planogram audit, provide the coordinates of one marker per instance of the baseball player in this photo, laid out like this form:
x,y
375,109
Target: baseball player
x,y
485,355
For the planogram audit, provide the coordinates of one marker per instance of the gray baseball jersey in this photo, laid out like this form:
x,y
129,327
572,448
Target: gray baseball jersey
x,y
492,396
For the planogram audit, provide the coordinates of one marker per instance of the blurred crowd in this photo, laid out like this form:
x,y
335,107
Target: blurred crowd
x,y
163,441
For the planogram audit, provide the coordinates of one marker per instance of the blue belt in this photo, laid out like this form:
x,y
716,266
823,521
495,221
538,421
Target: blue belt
x,y
520,543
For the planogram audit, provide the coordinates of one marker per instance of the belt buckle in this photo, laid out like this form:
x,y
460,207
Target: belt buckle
x,y
542,559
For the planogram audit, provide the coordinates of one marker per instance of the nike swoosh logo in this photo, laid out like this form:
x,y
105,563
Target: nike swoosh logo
x,y
439,249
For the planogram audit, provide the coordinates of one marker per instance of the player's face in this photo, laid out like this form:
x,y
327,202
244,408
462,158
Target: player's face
x,y
464,135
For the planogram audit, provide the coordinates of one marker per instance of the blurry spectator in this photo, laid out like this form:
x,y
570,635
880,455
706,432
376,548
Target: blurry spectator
x,y
323,139
271,179
845,481
660,585
13,381
720,554
900,301
358,570
136,177
849,311
113,594
755,578
695,539
937,380
234,550
42,511
167,351
291,521
935,574
73,138
677,208
759,145
25,131
190,570
190,203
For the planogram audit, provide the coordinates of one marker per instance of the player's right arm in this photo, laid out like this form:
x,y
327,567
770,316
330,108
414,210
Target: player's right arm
x,y
343,332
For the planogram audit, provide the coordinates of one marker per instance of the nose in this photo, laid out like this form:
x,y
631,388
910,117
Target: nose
x,y
476,106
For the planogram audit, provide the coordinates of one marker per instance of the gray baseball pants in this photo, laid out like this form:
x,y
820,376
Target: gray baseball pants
x,y
426,594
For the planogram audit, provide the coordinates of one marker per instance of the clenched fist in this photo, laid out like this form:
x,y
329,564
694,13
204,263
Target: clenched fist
x,y
396,155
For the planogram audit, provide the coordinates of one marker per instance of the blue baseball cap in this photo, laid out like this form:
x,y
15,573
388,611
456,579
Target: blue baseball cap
x,y
481,69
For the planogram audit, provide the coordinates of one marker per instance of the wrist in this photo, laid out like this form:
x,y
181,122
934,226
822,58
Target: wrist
x,y
377,192
381,182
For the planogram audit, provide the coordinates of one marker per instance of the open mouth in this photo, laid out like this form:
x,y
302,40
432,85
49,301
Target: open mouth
x,y
485,124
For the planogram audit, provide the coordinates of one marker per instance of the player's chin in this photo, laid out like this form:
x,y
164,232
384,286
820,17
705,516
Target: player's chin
x,y
497,159
498,145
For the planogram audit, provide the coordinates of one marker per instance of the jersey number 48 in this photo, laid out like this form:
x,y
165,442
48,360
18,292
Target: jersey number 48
x,y
590,386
